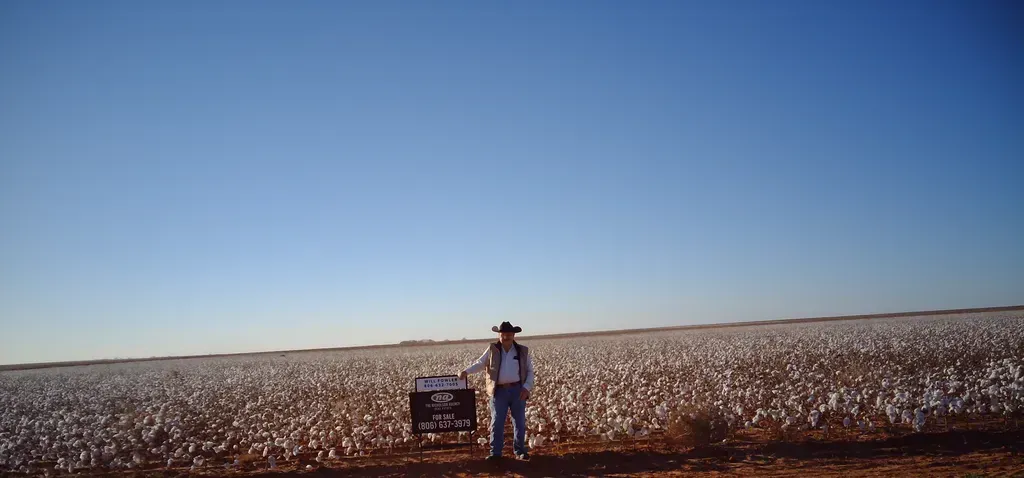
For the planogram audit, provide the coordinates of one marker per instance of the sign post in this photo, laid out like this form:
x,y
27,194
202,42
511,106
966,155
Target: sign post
x,y
442,404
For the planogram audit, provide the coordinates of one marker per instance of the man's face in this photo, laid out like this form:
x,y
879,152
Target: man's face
x,y
506,337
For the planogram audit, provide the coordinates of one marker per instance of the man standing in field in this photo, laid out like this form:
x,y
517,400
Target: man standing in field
x,y
509,382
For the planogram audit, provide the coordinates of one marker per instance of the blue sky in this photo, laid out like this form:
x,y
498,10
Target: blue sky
x,y
196,177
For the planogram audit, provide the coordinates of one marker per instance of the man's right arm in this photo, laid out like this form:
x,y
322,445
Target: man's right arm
x,y
477,366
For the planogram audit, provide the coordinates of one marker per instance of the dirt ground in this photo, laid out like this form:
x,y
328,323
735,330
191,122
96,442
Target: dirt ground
x,y
957,453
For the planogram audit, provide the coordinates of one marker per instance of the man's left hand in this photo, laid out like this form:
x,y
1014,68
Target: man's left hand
x,y
524,394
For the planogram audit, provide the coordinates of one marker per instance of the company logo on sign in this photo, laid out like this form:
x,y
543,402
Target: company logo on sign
x,y
442,397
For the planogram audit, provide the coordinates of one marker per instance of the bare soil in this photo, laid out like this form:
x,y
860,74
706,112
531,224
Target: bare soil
x,y
994,451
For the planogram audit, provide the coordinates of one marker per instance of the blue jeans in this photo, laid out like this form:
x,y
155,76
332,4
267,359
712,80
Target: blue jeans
x,y
505,399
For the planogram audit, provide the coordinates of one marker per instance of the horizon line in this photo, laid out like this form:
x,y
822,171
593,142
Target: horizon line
x,y
430,342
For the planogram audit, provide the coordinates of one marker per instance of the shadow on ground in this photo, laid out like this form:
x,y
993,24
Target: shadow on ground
x,y
949,443
720,458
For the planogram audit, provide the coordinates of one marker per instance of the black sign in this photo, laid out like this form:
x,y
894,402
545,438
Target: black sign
x,y
443,411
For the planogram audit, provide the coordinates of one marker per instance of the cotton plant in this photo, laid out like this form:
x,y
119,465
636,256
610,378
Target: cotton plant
x,y
911,373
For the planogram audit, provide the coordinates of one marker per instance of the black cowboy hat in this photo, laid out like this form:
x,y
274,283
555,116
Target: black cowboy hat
x,y
507,327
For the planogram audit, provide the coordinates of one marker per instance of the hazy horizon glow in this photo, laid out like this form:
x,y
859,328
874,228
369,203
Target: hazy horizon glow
x,y
197,178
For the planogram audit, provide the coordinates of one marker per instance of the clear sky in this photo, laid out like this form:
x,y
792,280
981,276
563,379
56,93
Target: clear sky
x,y
202,177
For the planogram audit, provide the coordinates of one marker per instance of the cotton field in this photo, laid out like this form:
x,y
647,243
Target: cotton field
x,y
917,374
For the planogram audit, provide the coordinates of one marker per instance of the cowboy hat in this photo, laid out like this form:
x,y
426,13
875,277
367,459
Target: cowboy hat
x,y
507,327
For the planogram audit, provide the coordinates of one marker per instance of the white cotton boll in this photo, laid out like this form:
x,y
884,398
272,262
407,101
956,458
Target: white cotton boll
x,y
957,406
305,393
198,461
661,412
814,417
333,454
170,462
272,461
846,422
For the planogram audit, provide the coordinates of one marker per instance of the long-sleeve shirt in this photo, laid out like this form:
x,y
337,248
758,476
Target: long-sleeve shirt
x,y
509,371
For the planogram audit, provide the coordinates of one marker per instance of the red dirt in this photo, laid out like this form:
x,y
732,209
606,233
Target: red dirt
x,y
992,452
